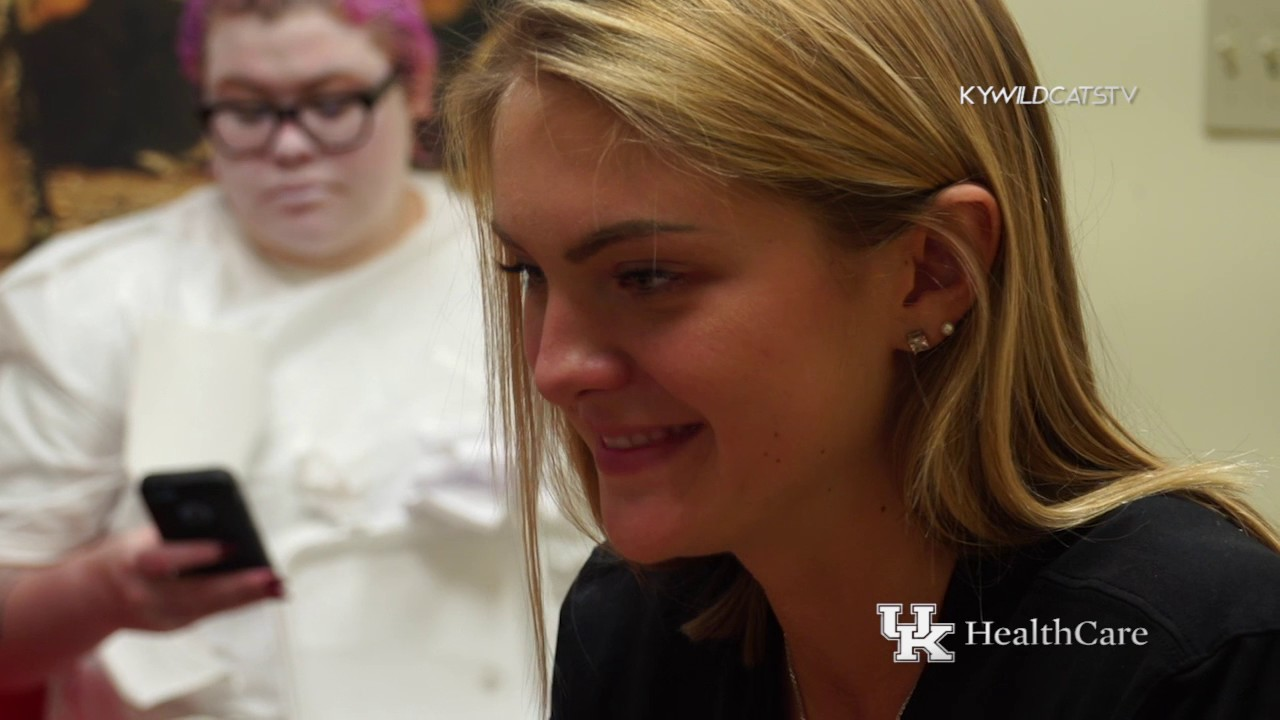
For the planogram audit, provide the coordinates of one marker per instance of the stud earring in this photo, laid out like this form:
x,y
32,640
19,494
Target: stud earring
x,y
948,329
917,342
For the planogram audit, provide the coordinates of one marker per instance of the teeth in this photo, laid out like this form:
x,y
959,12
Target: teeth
x,y
639,440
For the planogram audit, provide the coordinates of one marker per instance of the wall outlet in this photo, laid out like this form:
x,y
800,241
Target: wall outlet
x,y
1244,66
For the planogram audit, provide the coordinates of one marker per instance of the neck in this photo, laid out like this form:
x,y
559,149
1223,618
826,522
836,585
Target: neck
x,y
825,573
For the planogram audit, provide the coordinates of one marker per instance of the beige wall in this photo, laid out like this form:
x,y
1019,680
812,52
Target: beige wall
x,y
1178,233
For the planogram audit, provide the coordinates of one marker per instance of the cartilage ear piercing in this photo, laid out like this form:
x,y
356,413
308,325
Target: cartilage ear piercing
x,y
948,329
917,341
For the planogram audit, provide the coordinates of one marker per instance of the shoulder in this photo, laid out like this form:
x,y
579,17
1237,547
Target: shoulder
x,y
1162,600
81,294
1206,594
440,267
1191,571
1237,680
442,243
449,213
114,245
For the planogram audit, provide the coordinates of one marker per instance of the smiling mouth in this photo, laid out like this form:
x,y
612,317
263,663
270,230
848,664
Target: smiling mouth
x,y
640,440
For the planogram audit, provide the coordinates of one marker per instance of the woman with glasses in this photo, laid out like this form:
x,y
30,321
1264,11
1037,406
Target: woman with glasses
x,y
798,333
349,277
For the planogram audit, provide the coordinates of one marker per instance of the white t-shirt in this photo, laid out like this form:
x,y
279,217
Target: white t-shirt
x,y
349,403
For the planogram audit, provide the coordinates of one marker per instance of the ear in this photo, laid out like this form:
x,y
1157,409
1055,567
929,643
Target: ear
x,y
939,291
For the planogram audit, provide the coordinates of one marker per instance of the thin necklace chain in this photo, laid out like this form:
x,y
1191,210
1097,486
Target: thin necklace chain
x,y
799,696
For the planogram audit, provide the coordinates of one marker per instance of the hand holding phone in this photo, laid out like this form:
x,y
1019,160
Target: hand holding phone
x,y
205,505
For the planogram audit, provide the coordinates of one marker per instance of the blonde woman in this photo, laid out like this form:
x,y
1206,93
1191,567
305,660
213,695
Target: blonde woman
x,y
799,334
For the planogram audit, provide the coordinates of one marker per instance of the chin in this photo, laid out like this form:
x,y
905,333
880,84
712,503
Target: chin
x,y
305,241
649,538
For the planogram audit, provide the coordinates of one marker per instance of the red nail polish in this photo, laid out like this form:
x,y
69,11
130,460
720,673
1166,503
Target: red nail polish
x,y
275,589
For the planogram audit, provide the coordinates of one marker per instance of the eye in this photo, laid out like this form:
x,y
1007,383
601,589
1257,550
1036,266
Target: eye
x,y
646,280
330,107
246,113
529,273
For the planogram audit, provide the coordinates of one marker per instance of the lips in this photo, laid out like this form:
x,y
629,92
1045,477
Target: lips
x,y
626,451
296,195
647,438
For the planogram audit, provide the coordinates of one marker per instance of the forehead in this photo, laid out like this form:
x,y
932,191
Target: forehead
x,y
559,122
296,46
562,158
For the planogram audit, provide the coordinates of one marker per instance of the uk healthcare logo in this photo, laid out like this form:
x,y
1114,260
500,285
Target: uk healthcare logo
x,y
919,639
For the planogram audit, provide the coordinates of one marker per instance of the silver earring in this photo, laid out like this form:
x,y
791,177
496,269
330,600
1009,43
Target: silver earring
x,y
917,342
948,329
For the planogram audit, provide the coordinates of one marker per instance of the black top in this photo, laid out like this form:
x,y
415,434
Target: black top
x,y
1206,594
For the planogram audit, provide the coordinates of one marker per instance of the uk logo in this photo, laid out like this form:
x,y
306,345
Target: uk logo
x,y
920,639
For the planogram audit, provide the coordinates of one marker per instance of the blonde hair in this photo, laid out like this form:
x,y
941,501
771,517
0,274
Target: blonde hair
x,y
854,107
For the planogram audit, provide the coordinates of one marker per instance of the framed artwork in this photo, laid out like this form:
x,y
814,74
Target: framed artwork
x,y
96,120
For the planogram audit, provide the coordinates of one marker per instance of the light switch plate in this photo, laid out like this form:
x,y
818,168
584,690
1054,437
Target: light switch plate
x,y
1244,66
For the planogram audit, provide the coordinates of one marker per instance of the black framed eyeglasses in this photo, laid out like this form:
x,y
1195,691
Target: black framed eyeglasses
x,y
336,122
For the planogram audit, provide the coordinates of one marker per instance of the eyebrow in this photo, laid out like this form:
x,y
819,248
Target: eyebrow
x,y
606,236
241,82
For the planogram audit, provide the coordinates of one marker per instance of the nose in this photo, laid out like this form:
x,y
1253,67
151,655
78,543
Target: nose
x,y
292,145
571,351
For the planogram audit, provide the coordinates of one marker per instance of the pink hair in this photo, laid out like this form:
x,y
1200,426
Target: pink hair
x,y
413,48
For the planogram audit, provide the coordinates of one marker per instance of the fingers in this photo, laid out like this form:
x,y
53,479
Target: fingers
x,y
224,592
151,591
172,603
164,560
188,599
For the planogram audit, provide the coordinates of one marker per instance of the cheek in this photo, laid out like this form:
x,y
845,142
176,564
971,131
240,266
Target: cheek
x,y
224,171
368,173
390,140
239,181
385,150
767,394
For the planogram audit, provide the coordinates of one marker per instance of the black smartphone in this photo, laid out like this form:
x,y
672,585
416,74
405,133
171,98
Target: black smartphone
x,y
205,505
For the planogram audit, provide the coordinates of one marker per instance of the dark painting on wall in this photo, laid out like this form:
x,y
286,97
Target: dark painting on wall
x,y
95,119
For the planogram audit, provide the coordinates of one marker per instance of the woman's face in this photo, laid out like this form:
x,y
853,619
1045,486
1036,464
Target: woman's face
x,y
729,369
296,202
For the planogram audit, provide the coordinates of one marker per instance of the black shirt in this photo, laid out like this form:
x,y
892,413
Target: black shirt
x,y
1201,596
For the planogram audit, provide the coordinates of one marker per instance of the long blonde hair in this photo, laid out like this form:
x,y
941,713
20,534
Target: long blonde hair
x,y
853,106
